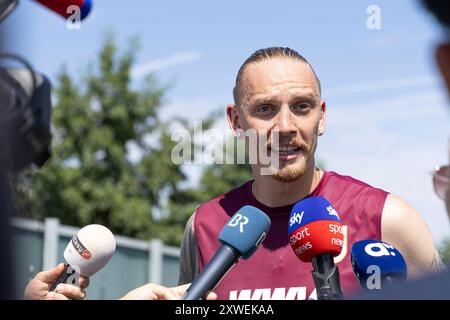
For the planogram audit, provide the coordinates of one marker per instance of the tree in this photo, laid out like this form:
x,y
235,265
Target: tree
x,y
444,250
90,177
216,179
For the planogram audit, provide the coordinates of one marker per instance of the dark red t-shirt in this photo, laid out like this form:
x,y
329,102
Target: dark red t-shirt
x,y
274,271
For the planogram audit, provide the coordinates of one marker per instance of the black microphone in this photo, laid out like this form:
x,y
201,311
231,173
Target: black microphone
x,y
241,236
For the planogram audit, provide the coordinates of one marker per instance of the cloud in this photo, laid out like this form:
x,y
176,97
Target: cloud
x,y
393,143
373,86
170,61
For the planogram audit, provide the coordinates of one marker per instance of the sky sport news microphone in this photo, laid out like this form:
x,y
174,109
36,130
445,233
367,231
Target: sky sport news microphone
x,y
240,237
316,235
377,264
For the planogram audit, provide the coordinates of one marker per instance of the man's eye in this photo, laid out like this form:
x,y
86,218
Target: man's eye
x,y
264,109
301,106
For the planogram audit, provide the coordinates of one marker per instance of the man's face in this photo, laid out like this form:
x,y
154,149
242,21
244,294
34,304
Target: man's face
x,y
282,95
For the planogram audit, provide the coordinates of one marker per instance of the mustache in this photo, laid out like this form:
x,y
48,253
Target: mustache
x,y
295,142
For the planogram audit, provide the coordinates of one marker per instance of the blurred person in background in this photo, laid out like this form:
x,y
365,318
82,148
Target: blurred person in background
x,y
437,286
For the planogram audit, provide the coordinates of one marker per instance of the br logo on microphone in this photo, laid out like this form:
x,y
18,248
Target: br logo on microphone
x,y
237,220
379,249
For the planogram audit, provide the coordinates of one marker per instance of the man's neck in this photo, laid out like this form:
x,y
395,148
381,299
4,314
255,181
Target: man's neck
x,y
274,193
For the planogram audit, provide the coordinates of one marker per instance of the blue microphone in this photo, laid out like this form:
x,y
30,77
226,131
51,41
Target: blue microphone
x,y
240,237
377,263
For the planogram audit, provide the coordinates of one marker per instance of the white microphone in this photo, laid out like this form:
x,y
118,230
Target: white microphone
x,y
89,250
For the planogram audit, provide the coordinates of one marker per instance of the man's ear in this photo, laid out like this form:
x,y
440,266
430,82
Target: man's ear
x,y
323,114
233,119
443,61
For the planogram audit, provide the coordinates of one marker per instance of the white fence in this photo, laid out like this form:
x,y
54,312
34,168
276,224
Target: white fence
x,y
135,262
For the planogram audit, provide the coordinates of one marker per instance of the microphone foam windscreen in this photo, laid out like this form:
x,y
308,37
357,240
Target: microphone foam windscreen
x,y
90,249
314,228
368,254
309,210
246,230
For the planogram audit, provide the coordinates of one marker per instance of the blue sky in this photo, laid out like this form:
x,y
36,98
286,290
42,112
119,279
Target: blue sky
x,y
387,113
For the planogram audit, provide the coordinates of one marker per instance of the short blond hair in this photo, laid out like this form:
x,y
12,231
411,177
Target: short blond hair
x,y
264,54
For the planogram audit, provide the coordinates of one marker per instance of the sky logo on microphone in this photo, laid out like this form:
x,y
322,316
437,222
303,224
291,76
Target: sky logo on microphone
x,y
236,220
332,212
296,218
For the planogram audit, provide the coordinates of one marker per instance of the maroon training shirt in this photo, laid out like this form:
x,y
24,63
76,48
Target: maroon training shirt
x,y
274,272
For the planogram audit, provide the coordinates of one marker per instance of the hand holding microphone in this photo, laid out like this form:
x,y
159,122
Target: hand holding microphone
x,y
38,287
152,291
241,236
316,235
89,250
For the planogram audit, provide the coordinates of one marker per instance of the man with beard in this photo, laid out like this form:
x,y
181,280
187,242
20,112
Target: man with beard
x,y
277,93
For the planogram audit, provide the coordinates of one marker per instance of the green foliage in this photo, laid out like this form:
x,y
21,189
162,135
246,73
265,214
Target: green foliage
x,y
444,251
90,179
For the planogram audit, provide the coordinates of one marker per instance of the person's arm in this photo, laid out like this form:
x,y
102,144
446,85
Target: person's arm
x,y
403,227
188,254
37,288
153,291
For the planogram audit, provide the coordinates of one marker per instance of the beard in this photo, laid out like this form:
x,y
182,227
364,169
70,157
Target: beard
x,y
292,171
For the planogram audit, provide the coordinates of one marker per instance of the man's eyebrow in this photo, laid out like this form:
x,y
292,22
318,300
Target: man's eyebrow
x,y
269,98
307,95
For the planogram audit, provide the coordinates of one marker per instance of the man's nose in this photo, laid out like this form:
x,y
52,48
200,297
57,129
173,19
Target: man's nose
x,y
284,122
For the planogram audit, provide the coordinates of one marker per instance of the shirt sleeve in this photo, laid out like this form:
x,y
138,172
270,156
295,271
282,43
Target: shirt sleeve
x,y
188,254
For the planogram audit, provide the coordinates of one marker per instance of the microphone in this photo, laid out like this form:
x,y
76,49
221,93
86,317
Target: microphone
x,y
62,7
89,250
377,263
6,7
241,236
316,235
